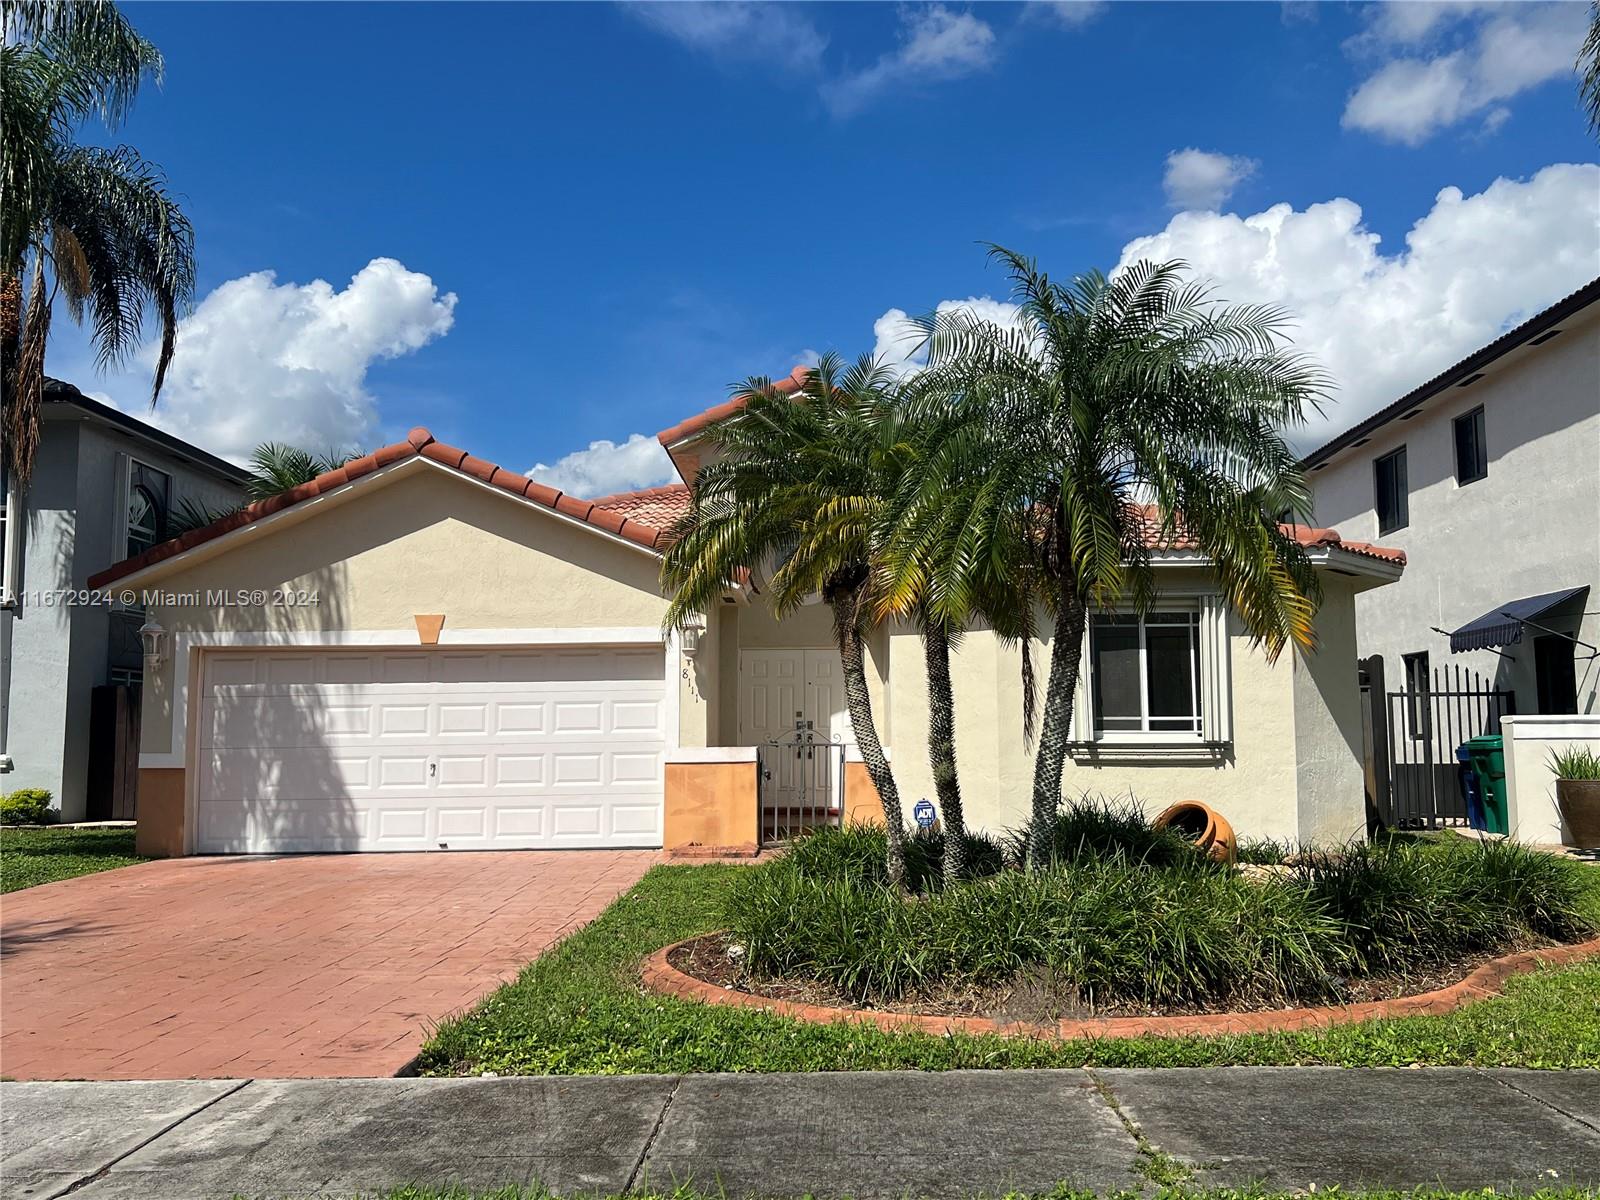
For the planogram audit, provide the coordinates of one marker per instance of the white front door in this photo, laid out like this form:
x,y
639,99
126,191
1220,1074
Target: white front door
x,y
779,690
430,749
779,687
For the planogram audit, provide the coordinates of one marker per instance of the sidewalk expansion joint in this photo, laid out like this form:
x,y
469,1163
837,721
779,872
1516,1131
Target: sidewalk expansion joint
x,y
1553,1107
160,1133
650,1140
1153,1164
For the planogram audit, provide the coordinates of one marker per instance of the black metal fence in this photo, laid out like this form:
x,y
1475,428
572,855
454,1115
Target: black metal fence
x,y
1427,720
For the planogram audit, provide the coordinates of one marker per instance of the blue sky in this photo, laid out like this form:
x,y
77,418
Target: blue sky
x,y
633,207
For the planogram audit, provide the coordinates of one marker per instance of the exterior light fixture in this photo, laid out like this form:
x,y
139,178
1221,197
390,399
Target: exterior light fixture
x,y
691,632
154,640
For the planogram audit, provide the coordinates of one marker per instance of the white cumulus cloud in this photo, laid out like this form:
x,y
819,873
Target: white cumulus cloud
x,y
778,34
605,467
261,361
1383,323
1498,51
1200,179
936,44
1069,14
897,338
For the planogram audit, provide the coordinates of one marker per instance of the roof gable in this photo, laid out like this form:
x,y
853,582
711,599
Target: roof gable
x,y
418,444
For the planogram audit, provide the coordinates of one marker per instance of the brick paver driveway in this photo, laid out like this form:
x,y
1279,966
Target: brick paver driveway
x,y
302,966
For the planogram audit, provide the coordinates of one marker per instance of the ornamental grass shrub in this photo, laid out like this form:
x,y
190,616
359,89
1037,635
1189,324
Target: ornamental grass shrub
x,y
1124,916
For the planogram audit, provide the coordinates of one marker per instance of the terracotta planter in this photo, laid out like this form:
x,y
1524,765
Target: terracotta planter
x,y
1202,825
1579,802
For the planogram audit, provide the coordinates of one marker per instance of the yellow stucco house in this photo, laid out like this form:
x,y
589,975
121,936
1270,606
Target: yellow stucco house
x,y
422,650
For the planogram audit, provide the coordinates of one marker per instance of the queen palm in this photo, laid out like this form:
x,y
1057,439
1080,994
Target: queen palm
x,y
1111,414
797,487
92,224
916,542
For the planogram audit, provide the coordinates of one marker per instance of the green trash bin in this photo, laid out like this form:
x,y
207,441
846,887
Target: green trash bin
x,y
1489,761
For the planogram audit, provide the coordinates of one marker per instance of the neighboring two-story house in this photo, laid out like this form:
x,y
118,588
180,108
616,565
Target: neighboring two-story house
x,y
1488,477
106,485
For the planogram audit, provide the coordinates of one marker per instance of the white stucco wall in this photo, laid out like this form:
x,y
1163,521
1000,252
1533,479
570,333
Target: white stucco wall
x,y
1533,815
1532,526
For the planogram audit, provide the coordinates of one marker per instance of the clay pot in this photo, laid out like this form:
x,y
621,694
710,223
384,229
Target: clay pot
x,y
1579,802
1204,826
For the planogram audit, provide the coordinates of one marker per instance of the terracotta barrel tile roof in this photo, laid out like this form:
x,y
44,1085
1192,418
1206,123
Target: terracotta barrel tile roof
x,y
792,382
658,506
418,442
1308,536
640,516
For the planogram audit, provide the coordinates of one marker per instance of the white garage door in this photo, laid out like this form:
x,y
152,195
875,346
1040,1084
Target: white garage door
x,y
427,750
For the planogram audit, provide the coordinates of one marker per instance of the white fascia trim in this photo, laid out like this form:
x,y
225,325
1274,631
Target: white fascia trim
x,y
185,644
1352,563
305,509
1320,556
713,754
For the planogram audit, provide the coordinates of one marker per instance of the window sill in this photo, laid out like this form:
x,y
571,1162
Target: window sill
x,y
1149,747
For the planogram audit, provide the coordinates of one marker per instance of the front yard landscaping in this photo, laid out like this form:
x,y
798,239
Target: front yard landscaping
x,y
29,857
580,1009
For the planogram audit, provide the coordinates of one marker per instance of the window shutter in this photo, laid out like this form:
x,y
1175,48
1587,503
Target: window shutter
x,y
1216,716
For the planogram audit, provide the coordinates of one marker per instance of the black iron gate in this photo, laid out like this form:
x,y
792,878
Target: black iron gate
x,y
1426,721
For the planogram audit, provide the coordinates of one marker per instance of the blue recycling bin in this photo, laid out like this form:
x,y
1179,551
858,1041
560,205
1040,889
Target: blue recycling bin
x,y
1471,787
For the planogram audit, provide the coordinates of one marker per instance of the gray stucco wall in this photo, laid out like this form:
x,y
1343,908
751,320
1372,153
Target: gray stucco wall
x,y
1532,526
55,656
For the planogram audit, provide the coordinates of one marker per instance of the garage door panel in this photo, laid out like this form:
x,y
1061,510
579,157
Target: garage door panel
x,y
346,750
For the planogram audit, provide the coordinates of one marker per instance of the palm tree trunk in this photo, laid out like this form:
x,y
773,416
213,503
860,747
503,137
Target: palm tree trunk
x,y
942,748
1056,727
847,629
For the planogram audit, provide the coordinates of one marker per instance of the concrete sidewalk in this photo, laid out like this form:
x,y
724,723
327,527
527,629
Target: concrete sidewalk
x,y
878,1134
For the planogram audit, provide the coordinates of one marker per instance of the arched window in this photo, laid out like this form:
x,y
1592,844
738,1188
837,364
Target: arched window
x,y
142,521
147,507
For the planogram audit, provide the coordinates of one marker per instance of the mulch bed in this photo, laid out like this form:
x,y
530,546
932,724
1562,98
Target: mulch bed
x,y
1037,998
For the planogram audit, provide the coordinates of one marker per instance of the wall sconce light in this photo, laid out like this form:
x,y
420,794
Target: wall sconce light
x,y
691,631
154,640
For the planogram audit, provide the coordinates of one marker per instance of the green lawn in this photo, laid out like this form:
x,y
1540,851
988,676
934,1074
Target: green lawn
x,y
579,1010
34,856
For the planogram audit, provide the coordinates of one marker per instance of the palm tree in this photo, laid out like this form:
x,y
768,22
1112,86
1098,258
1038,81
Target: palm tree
x,y
93,224
1104,395
274,468
1588,67
798,485
916,542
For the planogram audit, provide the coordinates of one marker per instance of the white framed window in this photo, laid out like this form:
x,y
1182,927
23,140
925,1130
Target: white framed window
x,y
1144,672
1157,681
127,676
148,496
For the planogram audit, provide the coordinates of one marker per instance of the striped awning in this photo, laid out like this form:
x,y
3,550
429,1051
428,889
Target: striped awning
x,y
1502,626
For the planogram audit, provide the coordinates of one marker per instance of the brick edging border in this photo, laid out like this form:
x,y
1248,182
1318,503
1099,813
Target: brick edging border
x,y
661,976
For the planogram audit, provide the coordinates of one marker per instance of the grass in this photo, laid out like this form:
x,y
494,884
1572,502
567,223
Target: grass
x,y
1169,1192
579,1010
1127,915
29,857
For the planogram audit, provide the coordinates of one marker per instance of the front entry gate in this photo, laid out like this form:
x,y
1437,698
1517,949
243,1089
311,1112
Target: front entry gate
x,y
801,783
1426,721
